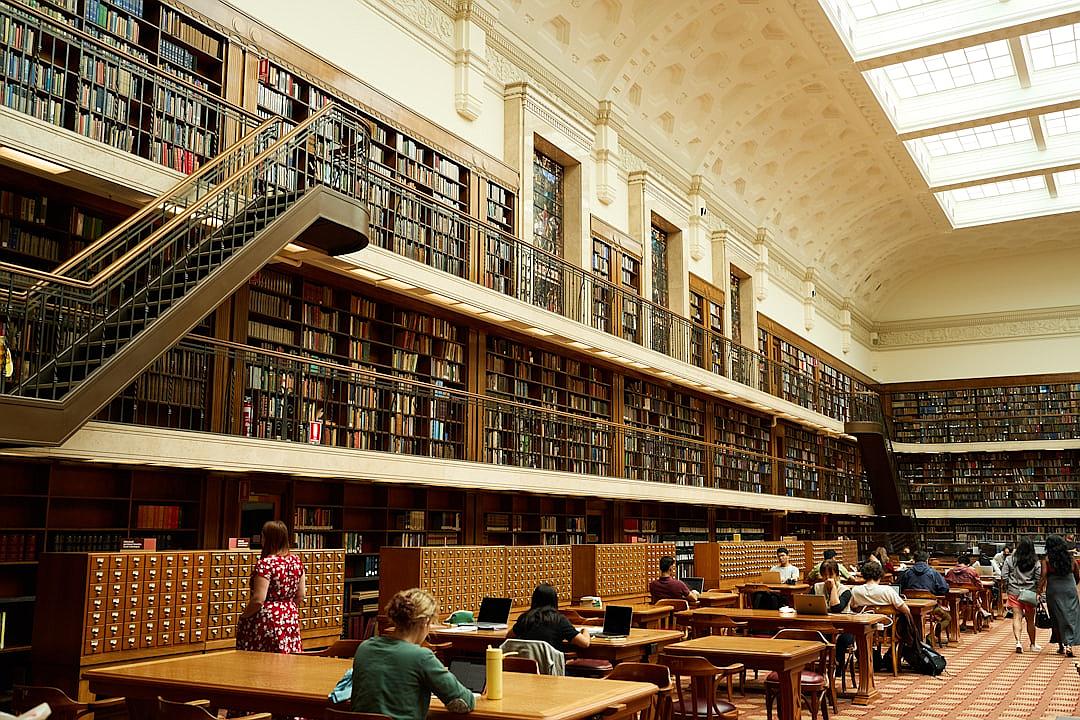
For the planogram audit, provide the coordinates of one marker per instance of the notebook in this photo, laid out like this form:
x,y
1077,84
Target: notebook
x,y
617,620
494,612
811,604
695,583
470,673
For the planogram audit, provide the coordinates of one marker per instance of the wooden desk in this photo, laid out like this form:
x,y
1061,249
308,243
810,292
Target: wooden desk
x,y
920,607
786,590
645,616
642,645
718,599
860,625
299,685
786,657
953,600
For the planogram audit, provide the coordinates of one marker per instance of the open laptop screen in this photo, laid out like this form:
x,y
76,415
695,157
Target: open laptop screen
x,y
470,673
695,583
494,610
617,619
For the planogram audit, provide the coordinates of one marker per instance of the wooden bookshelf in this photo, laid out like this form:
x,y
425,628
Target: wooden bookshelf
x,y
750,471
987,413
800,472
945,535
330,323
548,381
707,349
670,523
842,473
499,249
515,519
675,416
1030,478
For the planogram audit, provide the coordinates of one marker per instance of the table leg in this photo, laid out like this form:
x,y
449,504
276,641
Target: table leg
x,y
866,692
789,693
954,626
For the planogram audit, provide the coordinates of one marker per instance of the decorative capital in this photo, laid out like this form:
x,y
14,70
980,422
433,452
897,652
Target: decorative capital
x,y
480,12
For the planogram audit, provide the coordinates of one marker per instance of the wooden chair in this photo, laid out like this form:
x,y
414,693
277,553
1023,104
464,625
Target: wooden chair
x,y
886,639
696,681
520,665
333,714
25,697
169,710
813,684
831,633
933,622
669,622
658,675
339,649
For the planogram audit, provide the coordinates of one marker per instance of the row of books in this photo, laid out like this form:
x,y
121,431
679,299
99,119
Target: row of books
x,y
174,24
18,547
160,517
312,518
118,24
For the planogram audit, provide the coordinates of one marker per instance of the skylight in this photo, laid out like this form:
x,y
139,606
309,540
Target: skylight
x,y
1062,122
997,189
978,138
1067,177
1054,47
950,70
864,9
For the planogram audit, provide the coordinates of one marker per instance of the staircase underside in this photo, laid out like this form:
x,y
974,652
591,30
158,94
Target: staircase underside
x,y
884,485
321,219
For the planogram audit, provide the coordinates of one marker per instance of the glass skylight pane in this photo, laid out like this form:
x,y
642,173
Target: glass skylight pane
x,y
1062,122
864,9
997,189
978,138
1067,177
954,69
1054,47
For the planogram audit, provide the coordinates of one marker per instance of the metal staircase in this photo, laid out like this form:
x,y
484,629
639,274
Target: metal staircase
x,y
890,491
80,334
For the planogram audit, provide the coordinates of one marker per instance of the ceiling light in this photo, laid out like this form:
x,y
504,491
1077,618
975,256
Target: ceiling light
x,y
540,331
441,299
31,161
367,274
579,345
495,316
397,284
466,307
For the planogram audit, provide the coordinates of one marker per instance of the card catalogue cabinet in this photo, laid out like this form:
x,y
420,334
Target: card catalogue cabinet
x,y
718,562
617,570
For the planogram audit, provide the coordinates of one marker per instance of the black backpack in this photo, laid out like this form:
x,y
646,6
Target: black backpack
x,y
925,660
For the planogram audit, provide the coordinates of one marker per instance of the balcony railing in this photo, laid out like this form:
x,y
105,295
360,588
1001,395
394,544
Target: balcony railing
x,y
111,93
278,396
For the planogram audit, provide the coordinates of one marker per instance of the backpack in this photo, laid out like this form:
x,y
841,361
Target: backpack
x,y
925,660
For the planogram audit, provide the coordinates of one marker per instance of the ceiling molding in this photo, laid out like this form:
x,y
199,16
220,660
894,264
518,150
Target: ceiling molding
x,y
983,327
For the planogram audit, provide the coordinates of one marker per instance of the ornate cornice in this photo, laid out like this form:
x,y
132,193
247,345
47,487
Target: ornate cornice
x,y
984,327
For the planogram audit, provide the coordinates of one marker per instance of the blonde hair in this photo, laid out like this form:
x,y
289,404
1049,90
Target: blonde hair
x,y
409,608
275,538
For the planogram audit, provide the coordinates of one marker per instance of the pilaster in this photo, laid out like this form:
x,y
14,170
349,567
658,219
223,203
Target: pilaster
x,y
606,152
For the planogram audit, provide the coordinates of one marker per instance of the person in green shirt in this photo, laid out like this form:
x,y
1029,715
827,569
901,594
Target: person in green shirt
x,y
395,675
815,573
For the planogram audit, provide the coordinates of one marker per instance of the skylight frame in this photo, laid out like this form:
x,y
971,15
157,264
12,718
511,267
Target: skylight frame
x,y
973,139
1053,48
999,189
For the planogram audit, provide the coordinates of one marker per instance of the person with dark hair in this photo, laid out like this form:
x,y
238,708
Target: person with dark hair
x,y
393,674
1059,580
905,554
881,555
669,587
788,572
829,555
270,621
965,576
543,621
1023,574
874,593
921,576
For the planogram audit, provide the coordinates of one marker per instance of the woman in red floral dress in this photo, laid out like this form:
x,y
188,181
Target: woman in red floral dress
x,y
270,622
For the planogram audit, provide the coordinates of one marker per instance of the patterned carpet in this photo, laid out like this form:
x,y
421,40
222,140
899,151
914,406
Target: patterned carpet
x,y
985,678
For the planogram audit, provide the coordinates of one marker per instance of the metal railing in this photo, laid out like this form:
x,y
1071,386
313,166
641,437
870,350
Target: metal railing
x,y
61,326
66,71
278,396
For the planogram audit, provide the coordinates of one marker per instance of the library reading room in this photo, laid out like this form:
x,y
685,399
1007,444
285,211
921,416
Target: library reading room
x,y
539,359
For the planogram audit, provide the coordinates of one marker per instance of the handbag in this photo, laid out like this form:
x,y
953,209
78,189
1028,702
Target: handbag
x,y
1028,596
1042,617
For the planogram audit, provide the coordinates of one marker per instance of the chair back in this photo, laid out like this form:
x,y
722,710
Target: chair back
x,y
822,633
340,649
25,697
658,675
676,606
520,665
702,625
169,710
370,627
548,659
699,677
920,594
332,714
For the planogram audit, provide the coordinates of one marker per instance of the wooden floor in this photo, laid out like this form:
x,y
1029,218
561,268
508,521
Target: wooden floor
x,y
985,679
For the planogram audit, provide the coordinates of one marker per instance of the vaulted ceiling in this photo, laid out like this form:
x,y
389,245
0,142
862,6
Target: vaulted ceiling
x,y
764,96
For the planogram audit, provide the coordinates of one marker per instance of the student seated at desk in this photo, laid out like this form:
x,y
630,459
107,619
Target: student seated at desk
x,y
669,587
837,596
830,554
788,572
394,675
543,621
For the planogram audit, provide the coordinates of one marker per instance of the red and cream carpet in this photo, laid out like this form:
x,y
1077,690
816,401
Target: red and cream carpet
x,y
985,679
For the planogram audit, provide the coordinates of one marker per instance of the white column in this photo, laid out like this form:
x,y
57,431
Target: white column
x,y
606,152
845,326
472,20
697,224
809,298
761,269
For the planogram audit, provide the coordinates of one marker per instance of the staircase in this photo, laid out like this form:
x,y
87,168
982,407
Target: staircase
x,y
891,493
80,334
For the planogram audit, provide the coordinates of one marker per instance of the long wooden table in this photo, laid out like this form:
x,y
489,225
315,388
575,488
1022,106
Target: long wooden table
x,y
645,616
641,645
298,685
787,591
786,657
860,625
718,599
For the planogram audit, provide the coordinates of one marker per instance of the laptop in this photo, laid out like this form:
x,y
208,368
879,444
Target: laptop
x,y
494,612
695,583
811,605
770,577
985,570
617,620
470,673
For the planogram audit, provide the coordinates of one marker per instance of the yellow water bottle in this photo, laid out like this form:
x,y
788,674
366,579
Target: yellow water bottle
x,y
494,664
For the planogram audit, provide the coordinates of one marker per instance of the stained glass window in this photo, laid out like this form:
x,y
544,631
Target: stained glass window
x,y
659,267
736,310
548,229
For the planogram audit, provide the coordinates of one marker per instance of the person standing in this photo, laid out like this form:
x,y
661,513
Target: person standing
x,y
669,587
1060,578
270,621
395,675
1022,573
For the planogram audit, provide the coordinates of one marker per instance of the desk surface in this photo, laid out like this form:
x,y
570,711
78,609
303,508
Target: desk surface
x,y
262,680
799,587
775,616
638,636
753,649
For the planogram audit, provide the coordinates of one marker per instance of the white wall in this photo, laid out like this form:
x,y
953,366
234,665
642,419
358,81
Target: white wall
x,y
417,73
1022,282
973,360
